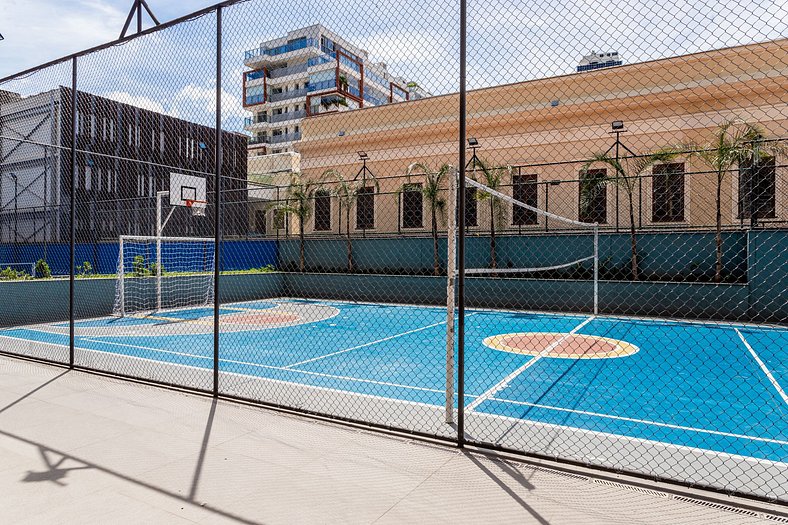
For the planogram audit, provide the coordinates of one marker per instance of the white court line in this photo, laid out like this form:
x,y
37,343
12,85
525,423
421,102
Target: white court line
x,y
634,420
256,365
361,394
766,371
503,383
368,344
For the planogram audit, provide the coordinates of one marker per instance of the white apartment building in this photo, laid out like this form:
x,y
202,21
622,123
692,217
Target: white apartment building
x,y
599,60
311,70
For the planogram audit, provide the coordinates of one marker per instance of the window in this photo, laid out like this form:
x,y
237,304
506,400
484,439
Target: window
x,y
279,219
667,193
471,209
365,208
593,196
412,208
524,189
322,211
259,221
757,189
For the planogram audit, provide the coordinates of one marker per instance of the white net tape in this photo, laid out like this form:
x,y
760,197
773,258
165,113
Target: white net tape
x,y
163,273
594,257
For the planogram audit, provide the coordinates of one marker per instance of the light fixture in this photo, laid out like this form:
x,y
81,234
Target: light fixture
x,y
617,125
472,142
341,133
362,155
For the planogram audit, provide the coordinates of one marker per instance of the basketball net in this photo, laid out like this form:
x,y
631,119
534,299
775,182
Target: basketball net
x,y
196,208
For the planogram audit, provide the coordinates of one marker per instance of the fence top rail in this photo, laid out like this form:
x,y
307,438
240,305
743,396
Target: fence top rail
x,y
119,41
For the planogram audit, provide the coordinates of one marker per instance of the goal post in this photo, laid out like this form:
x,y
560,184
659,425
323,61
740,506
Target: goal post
x,y
156,273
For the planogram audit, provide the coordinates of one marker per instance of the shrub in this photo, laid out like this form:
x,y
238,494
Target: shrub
x,y
85,269
42,269
9,274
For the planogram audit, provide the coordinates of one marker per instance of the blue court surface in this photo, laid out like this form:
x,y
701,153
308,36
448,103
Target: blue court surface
x,y
713,386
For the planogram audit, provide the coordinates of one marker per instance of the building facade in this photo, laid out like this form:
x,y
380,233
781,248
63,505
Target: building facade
x,y
544,131
124,156
598,61
311,71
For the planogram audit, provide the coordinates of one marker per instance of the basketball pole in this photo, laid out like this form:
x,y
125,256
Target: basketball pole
x,y
451,270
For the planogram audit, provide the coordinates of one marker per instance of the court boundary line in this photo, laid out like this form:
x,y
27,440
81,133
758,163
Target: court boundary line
x,y
619,317
503,383
290,367
437,407
630,420
764,368
231,361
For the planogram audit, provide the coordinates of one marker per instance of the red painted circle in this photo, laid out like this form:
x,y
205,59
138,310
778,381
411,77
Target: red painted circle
x,y
561,345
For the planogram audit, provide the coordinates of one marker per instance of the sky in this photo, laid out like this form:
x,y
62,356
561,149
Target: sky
x,y
173,71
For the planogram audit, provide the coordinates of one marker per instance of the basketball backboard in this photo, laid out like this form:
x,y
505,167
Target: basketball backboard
x,y
187,190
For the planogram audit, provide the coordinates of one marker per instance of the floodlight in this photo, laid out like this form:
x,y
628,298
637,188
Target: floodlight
x,y
362,155
472,142
617,125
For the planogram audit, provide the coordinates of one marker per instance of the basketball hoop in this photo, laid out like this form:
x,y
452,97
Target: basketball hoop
x,y
197,207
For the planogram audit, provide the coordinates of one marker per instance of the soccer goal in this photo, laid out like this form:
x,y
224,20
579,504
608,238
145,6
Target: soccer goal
x,y
158,272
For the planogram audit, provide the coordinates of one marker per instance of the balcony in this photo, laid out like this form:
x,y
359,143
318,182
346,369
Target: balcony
x,y
254,75
287,71
257,119
275,139
320,86
251,100
286,95
290,115
262,52
290,137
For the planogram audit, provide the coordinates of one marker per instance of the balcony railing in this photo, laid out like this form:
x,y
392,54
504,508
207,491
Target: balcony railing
x,y
254,99
257,119
320,86
285,71
258,140
345,61
316,61
279,50
285,95
289,137
254,75
290,115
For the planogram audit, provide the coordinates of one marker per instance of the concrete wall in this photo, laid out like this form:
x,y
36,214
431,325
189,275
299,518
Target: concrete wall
x,y
664,256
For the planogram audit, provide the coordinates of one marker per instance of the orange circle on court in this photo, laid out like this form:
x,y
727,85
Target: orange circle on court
x,y
260,318
561,345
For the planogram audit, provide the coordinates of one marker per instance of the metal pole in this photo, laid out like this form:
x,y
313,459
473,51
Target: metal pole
x,y
159,229
618,134
217,215
596,268
72,213
461,244
121,279
451,259
16,209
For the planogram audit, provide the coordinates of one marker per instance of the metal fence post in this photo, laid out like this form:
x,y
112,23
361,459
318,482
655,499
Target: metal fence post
x,y
217,223
461,243
72,213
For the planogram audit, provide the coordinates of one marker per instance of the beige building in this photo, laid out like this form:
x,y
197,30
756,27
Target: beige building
x,y
547,128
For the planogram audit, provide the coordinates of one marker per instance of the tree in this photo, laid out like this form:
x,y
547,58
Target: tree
x,y
298,202
734,143
346,192
627,171
431,190
493,178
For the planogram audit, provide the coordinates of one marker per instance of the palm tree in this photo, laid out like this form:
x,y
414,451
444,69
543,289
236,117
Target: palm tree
x,y
735,142
346,192
431,190
627,171
493,178
298,202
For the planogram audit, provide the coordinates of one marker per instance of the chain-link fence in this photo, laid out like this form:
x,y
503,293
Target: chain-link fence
x,y
553,228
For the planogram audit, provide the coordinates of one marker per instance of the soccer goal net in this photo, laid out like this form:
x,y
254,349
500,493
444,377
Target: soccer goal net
x,y
156,273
